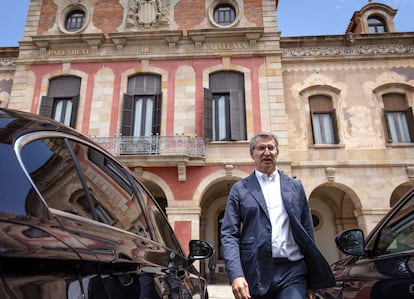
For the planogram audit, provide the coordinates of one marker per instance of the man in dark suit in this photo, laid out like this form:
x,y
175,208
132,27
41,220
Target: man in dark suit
x,y
267,233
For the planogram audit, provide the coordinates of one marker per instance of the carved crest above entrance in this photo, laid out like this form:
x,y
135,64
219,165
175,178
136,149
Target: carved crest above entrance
x,y
146,15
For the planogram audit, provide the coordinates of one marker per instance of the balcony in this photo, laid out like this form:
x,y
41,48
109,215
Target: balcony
x,y
155,150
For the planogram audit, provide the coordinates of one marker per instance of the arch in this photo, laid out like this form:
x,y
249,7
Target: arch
x,y
212,194
344,188
334,205
160,182
211,179
378,10
399,192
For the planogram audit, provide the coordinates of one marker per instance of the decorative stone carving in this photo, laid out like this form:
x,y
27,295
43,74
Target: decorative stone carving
x,y
138,171
330,174
229,169
410,173
6,62
354,50
363,127
146,15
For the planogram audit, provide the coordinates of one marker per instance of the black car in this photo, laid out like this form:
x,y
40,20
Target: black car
x,y
382,266
75,223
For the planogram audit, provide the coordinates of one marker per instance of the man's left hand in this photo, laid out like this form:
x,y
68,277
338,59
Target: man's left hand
x,y
311,294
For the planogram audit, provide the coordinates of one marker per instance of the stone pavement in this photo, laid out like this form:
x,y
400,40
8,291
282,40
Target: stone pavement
x,y
219,291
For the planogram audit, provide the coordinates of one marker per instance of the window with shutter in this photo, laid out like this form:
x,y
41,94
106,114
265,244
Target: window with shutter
x,y
208,114
399,120
323,119
141,112
224,107
62,100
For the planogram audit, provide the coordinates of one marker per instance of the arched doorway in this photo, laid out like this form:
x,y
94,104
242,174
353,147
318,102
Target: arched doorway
x,y
213,204
332,207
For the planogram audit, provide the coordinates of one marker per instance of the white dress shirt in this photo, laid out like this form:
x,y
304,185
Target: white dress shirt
x,y
283,243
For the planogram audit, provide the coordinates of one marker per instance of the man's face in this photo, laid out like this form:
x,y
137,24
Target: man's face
x,y
265,154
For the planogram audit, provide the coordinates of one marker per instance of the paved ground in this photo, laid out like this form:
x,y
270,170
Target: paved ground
x,y
219,291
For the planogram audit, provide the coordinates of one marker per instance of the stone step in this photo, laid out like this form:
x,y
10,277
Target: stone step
x,y
218,291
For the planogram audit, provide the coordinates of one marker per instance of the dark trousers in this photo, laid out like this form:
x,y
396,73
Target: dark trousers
x,y
289,281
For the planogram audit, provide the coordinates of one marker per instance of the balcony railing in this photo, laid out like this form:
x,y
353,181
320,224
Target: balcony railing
x,y
153,145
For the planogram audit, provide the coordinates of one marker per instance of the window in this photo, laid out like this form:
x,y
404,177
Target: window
x,y
323,118
142,106
224,107
224,14
397,234
62,110
62,100
21,198
75,20
376,25
399,118
221,116
78,179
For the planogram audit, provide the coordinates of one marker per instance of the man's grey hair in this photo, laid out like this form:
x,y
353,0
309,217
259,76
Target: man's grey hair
x,y
264,135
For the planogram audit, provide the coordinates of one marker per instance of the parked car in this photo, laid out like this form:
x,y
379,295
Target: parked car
x,y
382,265
75,223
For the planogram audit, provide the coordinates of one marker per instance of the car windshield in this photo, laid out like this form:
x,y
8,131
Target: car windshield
x,y
397,234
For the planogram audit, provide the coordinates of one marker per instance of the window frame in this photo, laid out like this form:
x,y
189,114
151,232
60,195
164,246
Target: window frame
x,y
333,94
219,4
69,10
398,118
231,85
376,24
142,87
224,14
62,88
75,20
329,134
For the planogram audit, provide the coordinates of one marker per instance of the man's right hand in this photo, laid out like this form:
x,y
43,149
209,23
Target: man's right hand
x,y
240,288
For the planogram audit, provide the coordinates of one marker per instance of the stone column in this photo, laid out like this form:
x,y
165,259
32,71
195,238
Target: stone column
x,y
185,221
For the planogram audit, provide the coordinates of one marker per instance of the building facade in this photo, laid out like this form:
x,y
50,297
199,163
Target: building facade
x,y
176,89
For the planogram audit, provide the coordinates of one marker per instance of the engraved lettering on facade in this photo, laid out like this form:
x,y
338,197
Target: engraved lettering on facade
x,y
68,52
225,46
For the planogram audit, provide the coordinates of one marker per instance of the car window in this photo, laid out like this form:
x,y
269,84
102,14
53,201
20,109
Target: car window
x,y
162,229
397,234
93,187
17,194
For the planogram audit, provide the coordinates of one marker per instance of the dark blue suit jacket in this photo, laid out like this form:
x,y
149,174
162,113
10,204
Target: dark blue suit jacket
x,y
246,234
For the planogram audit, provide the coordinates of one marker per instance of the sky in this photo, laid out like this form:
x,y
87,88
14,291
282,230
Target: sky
x,y
295,17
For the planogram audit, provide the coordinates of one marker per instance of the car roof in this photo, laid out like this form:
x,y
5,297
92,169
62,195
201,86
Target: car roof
x,y
15,123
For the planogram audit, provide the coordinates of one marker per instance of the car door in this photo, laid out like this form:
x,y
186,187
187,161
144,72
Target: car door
x,y
386,270
34,262
99,202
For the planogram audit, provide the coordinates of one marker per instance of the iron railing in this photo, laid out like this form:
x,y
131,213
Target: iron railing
x,y
153,145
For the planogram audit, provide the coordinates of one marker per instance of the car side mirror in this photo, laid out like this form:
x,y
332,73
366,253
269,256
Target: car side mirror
x,y
200,250
351,242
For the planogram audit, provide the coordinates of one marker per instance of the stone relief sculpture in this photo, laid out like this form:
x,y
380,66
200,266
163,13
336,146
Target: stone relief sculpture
x,y
6,62
146,15
363,127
